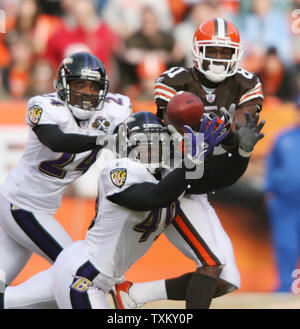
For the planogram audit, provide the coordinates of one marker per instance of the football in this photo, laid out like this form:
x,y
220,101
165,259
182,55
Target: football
x,y
185,108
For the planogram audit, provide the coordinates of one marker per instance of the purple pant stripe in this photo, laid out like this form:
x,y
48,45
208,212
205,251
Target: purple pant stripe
x,y
79,299
37,233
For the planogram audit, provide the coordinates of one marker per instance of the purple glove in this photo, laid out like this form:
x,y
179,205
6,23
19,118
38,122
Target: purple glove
x,y
212,136
213,132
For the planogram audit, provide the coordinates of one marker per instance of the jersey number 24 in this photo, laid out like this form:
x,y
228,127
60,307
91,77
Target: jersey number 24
x,y
55,168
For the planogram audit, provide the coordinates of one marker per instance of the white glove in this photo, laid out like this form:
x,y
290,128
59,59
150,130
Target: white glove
x,y
102,139
228,114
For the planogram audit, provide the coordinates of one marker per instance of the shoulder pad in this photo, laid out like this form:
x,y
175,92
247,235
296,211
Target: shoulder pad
x,y
40,107
45,100
175,76
170,82
119,174
250,86
245,79
118,99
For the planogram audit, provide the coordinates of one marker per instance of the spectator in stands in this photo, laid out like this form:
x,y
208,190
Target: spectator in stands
x,y
20,17
83,30
10,7
46,25
184,31
178,10
16,76
245,6
100,5
41,79
27,15
148,40
264,27
282,189
278,80
123,16
147,72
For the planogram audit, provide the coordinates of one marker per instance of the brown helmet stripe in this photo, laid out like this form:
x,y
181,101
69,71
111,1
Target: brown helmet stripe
x,y
221,27
216,27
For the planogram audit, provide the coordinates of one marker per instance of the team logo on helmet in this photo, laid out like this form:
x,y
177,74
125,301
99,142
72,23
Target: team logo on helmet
x,y
118,176
34,114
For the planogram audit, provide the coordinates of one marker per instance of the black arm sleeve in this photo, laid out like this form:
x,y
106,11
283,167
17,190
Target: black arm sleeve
x,y
230,143
54,138
219,174
149,196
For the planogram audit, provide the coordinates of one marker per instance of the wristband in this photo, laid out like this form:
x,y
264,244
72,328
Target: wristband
x,y
244,153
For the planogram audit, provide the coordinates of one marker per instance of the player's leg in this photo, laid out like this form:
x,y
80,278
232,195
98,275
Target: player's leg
x,y
229,279
36,232
193,234
176,288
13,255
36,292
13,258
73,276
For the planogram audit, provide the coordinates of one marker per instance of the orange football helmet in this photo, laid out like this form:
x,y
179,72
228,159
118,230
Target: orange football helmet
x,y
217,32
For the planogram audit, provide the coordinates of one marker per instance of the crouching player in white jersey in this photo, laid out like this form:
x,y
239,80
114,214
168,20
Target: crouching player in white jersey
x,y
135,204
66,132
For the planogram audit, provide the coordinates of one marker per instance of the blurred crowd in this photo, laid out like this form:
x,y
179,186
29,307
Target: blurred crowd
x,y
139,39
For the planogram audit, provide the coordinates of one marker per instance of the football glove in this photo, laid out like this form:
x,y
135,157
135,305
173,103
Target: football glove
x,y
249,134
102,139
214,133
195,147
228,115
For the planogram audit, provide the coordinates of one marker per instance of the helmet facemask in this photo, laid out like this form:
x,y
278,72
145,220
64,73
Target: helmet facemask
x,y
82,67
216,73
83,104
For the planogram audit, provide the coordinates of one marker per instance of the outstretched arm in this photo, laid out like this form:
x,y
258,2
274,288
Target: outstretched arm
x,y
222,174
149,196
58,141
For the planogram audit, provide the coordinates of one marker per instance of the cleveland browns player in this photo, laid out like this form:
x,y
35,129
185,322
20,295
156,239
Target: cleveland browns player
x,y
236,96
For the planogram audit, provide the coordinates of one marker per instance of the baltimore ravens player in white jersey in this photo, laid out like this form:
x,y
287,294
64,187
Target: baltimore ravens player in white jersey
x,y
67,129
135,204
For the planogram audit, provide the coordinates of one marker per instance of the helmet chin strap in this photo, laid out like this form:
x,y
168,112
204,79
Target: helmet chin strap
x,y
216,73
83,112
79,113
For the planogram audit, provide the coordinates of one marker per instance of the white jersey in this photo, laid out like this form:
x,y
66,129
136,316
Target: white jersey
x,y
38,181
120,236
